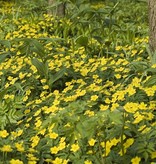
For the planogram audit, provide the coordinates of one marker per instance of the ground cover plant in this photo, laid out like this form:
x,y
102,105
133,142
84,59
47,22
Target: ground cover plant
x,y
77,89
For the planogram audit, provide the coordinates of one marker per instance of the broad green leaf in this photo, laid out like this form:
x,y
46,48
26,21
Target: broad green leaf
x,y
40,66
116,117
12,117
82,41
57,76
151,81
2,93
3,121
6,43
25,47
38,48
80,129
3,57
31,45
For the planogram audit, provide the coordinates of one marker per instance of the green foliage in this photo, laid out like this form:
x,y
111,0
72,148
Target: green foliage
x,y
80,89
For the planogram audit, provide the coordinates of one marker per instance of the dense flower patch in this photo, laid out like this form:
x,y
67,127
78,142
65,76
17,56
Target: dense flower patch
x,y
60,104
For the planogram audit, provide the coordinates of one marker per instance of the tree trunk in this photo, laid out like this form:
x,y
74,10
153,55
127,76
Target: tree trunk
x,y
152,25
59,10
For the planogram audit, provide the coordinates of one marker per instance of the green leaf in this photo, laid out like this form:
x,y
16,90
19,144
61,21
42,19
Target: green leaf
x,y
38,48
151,70
18,86
146,156
2,93
98,38
116,117
3,121
82,40
31,45
89,127
139,66
41,67
109,22
151,81
12,117
3,57
57,76
6,43
80,129
25,47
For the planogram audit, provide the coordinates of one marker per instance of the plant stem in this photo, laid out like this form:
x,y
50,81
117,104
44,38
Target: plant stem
x,y
102,159
122,135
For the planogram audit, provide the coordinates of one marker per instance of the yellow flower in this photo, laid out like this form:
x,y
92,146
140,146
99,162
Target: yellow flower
x,y
104,107
62,139
62,145
118,48
153,155
89,113
58,161
136,160
31,157
108,147
38,112
65,161
138,117
38,123
42,131
84,71
92,142
43,81
54,150
21,75
94,98
88,162
142,127
149,91
128,142
154,66
19,147
25,98
142,106
27,125
149,116
118,76
27,111
81,92
15,161
102,144
46,87
114,106
10,78
6,148
35,141
134,52
53,135
114,141
32,162
131,107
146,130
19,132
107,101
3,133
131,91
75,147
28,92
